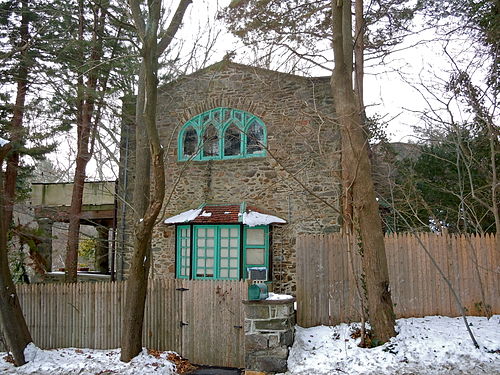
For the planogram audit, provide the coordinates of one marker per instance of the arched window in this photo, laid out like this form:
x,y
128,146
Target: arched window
x,y
255,137
222,133
232,141
210,141
189,142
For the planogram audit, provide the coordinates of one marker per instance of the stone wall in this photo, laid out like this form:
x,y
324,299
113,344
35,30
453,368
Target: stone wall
x,y
297,180
269,332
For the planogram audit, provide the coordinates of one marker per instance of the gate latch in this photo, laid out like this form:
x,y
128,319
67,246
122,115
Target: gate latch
x,y
181,289
183,324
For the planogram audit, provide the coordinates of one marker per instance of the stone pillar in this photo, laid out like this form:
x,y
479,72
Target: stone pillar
x,y
269,332
102,250
45,247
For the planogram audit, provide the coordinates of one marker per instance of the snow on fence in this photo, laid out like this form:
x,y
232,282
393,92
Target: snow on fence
x,y
201,320
327,265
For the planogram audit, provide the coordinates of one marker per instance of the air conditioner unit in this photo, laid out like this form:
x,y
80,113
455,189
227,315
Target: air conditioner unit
x,y
257,274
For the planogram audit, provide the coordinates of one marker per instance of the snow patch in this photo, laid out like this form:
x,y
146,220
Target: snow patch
x,y
3,142
278,297
206,214
183,217
434,345
86,362
253,218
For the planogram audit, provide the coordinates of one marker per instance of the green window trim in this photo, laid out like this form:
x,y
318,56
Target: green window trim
x,y
247,246
209,257
219,252
221,119
183,256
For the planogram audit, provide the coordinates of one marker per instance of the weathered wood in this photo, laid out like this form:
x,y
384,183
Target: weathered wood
x,y
324,268
89,315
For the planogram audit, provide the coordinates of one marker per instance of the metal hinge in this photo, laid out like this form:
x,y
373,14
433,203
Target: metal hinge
x,y
238,327
183,324
181,289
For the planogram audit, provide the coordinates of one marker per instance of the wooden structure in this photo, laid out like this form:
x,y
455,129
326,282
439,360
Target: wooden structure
x,y
51,203
201,320
328,268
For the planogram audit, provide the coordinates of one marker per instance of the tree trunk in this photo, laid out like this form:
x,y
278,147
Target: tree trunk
x,y
358,181
86,103
16,124
12,322
147,204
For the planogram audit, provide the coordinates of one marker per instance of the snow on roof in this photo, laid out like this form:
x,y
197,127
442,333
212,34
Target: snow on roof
x,y
225,214
3,142
253,218
183,217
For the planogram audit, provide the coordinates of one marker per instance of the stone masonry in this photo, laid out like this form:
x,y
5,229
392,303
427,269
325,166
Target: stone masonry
x,y
269,332
298,180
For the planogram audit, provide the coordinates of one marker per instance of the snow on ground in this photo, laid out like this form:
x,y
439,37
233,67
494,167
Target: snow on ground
x,y
432,345
86,362
424,346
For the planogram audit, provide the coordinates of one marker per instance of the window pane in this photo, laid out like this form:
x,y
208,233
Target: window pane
x,y
224,263
232,141
255,137
190,142
255,236
216,116
255,256
210,141
233,274
224,273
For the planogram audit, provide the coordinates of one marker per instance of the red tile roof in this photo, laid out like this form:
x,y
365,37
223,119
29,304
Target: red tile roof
x,y
227,214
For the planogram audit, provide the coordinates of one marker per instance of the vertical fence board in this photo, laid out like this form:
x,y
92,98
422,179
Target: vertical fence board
x,y
417,287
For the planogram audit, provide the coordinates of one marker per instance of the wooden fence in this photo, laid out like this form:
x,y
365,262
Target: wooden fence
x,y
201,320
327,266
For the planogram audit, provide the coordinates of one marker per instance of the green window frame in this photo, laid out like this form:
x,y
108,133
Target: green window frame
x,y
183,265
222,119
220,252
252,246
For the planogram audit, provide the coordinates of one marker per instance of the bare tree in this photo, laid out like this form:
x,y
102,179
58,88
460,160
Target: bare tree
x,y
358,180
147,203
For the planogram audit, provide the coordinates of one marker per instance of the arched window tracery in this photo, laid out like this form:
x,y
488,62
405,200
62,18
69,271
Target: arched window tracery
x,y
222,133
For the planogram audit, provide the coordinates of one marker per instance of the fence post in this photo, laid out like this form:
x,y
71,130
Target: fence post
x,y
269,332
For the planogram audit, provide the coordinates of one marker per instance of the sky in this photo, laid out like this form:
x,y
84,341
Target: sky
x,y
388,90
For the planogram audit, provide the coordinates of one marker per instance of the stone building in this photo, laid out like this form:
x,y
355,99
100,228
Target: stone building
x,y
252,160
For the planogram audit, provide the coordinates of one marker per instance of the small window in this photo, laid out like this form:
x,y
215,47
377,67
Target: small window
x,y
255,137
210,141
232,141
190,142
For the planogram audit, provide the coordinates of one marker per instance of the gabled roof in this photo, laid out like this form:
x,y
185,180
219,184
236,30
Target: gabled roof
x,y
226,64
225,214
